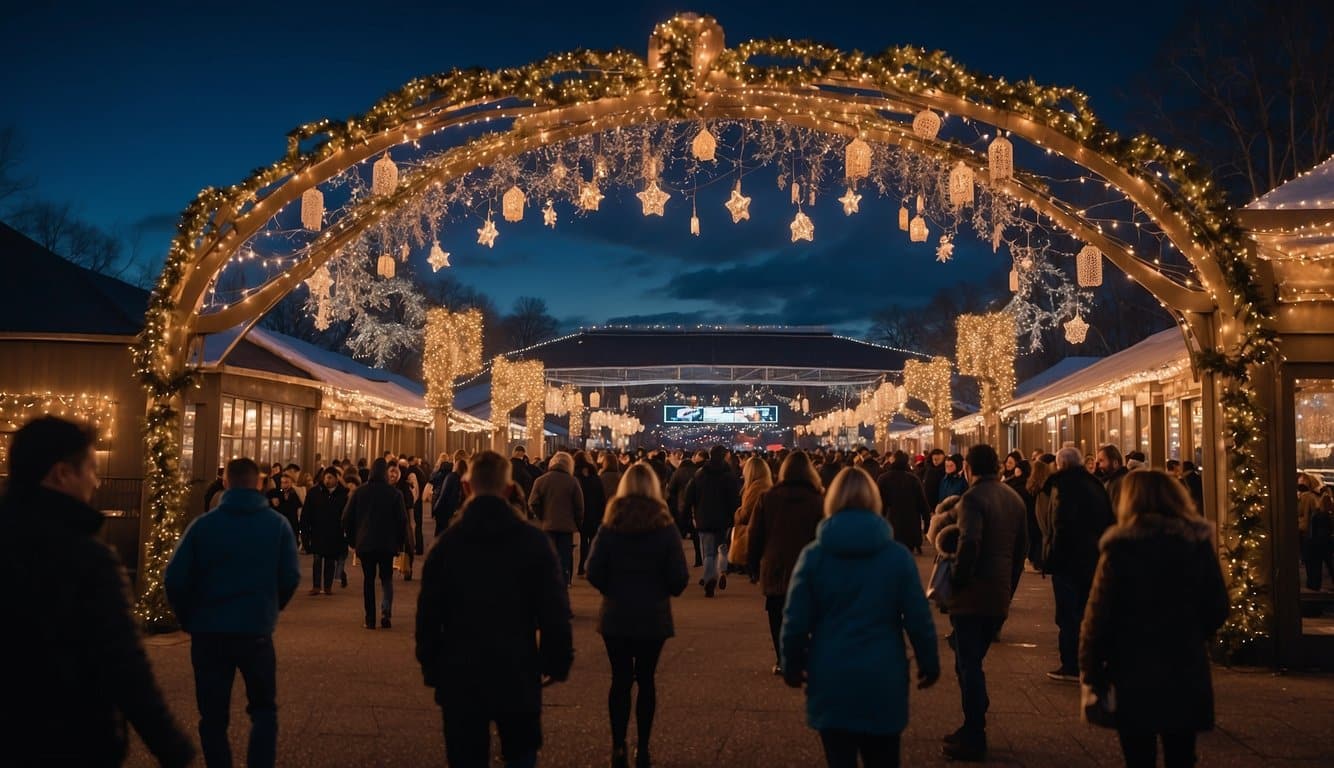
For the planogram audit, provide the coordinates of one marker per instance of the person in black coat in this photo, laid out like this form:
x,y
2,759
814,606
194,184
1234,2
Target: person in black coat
x,y
638,566
905,501
375,524
1080,512
932,473
486,644
1157,598
321,527
76,670
450,498
287,503
712,499
676,492
595,502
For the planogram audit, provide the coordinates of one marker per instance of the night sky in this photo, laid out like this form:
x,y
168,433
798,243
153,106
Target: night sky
x,y
127,115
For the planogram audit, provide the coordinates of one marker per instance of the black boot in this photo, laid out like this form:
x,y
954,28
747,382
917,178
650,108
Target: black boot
x,y
642,759
619,759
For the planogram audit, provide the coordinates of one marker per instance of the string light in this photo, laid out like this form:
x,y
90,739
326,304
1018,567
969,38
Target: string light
x,y
986,351
687,57
929,381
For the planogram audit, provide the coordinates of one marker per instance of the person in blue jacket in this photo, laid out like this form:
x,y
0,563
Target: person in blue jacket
x,y
854,593
234,569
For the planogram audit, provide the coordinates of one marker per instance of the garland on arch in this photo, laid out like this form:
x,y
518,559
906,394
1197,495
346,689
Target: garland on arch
x,y
584,76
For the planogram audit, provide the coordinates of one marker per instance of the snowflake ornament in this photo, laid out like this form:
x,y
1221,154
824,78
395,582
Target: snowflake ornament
x,y
945,251
487,234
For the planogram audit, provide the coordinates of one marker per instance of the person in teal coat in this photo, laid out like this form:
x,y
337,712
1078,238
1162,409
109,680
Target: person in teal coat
x,y
854,593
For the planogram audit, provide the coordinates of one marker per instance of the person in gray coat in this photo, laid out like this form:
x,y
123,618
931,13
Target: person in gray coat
x,y
558,501
993,539
376,526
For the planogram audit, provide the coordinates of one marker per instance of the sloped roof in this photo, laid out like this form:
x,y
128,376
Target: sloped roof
x,y
1057,372
326,367
1161,355
51,295
634,348
1313,190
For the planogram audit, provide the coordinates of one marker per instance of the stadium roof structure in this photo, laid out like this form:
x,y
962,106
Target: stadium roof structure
x,y
776,357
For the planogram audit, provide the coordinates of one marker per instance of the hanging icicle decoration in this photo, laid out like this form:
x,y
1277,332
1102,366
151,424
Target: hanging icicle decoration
x,y
903,217
312,209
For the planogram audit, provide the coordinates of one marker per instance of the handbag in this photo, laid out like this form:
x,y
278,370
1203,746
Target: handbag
x,y
940,587
1097,706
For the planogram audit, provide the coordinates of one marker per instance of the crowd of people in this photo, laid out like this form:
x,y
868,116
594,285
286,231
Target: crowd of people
x,y
830,538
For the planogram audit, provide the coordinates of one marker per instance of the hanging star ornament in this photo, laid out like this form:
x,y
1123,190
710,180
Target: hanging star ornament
x,y
549,215
439,257
802,228
653,199
589,196
738,204
945,251
850,200
487,234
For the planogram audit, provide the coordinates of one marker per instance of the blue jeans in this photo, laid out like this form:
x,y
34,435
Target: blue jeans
x,y
714,545
1070,601
216,658
972,638
468,738
385,565
564,543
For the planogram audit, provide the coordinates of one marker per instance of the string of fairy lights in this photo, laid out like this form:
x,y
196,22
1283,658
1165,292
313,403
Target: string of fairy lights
x,y
688,72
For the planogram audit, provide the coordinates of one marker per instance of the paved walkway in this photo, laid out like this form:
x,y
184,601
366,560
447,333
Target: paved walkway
x,y
351,697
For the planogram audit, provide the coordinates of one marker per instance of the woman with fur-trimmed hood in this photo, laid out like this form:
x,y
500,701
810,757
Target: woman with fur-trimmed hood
x,y
1157,598
638,566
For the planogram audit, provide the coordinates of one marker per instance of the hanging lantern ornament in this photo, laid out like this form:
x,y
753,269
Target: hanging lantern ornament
x,y
511,204
926,124
904,218
384,176
594,399
1076,329
796,193
1088,267
1014,280
385,266
694,220
802,228
805,405
917,229
857,160
704,146
312,209
961,185
625,401
1000,159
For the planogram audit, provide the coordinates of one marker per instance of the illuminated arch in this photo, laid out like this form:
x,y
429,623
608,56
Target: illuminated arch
x,y
690,74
